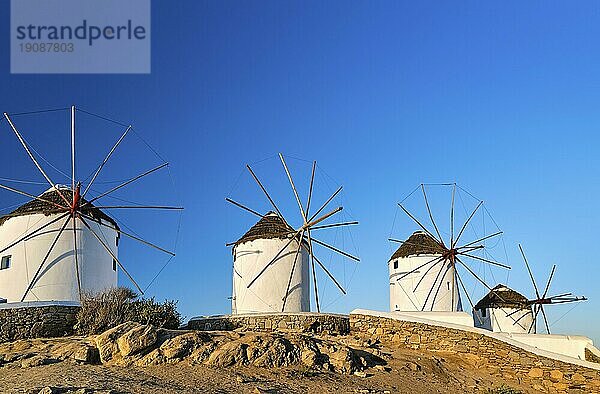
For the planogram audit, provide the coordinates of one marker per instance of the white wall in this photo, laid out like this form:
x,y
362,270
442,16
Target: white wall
x,y
568,345
403,296
462,318
510,320
266,294
57,280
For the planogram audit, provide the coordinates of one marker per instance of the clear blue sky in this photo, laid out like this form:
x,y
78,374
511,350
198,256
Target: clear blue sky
x,y
502,98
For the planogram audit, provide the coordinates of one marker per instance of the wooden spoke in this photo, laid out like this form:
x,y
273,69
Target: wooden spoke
x,y
537,293
420,225
39,167
481,239
334,225
476,276
73,153
433,286
275,258
310,190
138,207
105,161
466,223
425,274
431,215
34,232
545,319
110,252
549,280
485,260
11,189
325,204
460,281
418,268
287,171
265,192
312,261
329,274
127,183
237,204
326,216
287,290
34,279
452,216
76,256
439,286
336,249
129,235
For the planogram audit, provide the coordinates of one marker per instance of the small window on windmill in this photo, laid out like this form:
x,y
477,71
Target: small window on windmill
x,y
114,265
5,262
484,312
396,264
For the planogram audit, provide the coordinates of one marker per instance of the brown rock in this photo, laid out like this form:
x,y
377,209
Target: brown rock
x,y
556,376
107,341
137,339
535,373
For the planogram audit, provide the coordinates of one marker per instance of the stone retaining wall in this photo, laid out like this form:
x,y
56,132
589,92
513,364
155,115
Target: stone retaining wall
x,y
510,362
46,321
288,322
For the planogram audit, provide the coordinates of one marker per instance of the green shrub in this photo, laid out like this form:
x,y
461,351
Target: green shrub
x,y
102,311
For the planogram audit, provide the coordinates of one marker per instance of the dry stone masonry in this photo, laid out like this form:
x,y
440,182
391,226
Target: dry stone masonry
x,y
37,322
502,359
285,322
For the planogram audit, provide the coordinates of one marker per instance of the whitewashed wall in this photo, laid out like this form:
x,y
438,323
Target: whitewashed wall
x,y
402,294
57,280
266,294
510,320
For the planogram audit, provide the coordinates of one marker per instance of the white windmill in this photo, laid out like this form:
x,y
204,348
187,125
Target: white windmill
x,y
61,243
273,262
423,271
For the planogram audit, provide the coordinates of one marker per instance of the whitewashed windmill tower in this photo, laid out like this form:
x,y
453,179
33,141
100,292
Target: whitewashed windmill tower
x,y
274,263
423,271
505,310
61,244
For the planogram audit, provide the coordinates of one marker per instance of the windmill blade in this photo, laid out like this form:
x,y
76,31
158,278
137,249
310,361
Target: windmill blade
x,y
433,286
485,260
545,319
112,150
438,288
326,216
237,204
325,204
467,294
334,225
549,280
329,274
76,255
481,239
34,232
477,277
287,290
265,192
418,268
469,249
169,208
336,249
425,274
431,215
274,258
310,189
73,154
11,189
537,293
114,189
39,167
420,225
287,171
110,252
312,261
128,235
34,279
466,223
452,215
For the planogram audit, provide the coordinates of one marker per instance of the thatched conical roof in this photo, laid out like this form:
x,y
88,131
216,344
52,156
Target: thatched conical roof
x,y
418,243
502,296
269,226
45,207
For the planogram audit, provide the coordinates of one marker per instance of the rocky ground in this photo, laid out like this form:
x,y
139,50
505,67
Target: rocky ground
x,y
134,358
